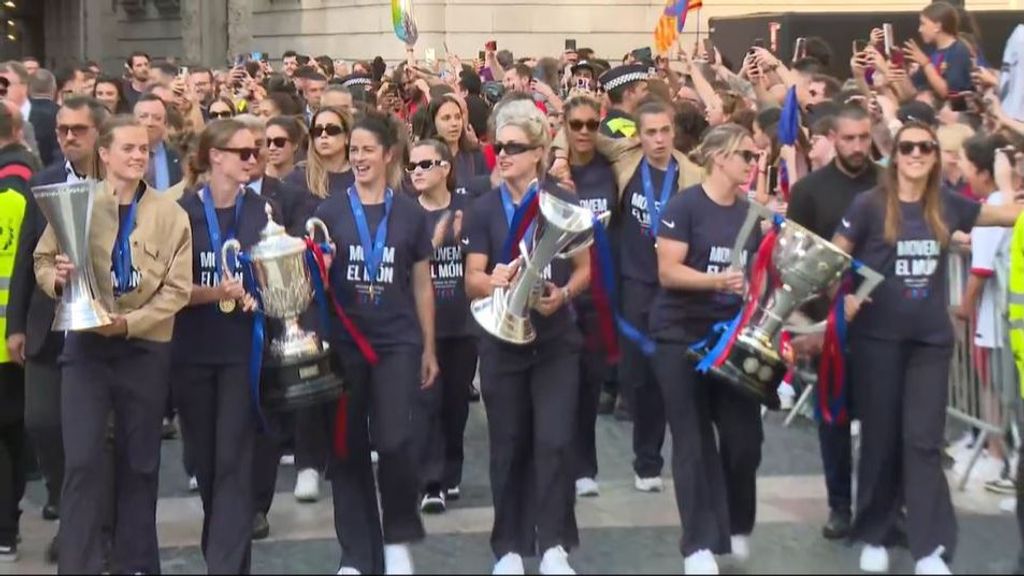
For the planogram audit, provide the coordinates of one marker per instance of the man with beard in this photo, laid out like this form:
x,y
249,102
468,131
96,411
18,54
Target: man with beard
x,y
818,202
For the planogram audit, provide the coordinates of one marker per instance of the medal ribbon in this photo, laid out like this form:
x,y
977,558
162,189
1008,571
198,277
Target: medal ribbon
x,y
654,208
213,225
122,257
373,251
520,219
258,331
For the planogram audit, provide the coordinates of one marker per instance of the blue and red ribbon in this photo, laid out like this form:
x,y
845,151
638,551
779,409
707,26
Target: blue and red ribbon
x,y
523,217
258,335
602,286
832,405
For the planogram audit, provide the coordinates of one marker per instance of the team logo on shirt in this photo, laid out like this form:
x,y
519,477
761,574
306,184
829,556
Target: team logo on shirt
x,y
916,262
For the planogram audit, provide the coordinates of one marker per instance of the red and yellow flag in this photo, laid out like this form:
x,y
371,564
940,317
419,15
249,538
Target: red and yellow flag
x,y
671,22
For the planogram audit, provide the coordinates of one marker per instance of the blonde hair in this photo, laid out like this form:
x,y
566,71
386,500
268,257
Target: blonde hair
x,y
316,172
721,140
525,115
952,137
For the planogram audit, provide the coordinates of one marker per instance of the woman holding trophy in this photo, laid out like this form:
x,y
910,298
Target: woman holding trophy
x,y
714,480
530,391
380,274
213,342
902,229
140,251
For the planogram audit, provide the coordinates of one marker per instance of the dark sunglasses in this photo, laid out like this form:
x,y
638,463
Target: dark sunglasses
x,y
221,115
748,156
278,142
906,147
578,125
79,130
423,165
512,148
329,129
244,154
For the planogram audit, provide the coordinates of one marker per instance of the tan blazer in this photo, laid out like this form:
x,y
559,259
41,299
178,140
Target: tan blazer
x,y
625,155
161,246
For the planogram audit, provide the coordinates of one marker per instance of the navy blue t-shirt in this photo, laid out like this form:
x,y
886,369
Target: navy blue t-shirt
x,y
954,64
447,270
337,182
387,316
709,229
912,301
595,185
204,334
468,165
485,233
639,260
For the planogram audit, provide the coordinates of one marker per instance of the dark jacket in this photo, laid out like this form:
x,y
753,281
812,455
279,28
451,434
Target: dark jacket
x,y
43,118
290,201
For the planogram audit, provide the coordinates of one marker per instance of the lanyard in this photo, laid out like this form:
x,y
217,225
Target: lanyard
x,y
514,216
373,252
654,208
122,259
213,225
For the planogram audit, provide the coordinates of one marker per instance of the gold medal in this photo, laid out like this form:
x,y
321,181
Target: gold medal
x,y
227,306
373,292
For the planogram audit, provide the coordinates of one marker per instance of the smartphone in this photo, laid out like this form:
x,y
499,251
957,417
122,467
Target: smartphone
x,y
709,50
239,60
183,71
773,180
958,101
570,44
889,39
758,43
583,83
860,46
642,55
481,55
492,45
896,57
773,31
799,49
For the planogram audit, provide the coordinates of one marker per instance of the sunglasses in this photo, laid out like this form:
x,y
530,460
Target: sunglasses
x,y
278,142
423,165
79,130
221,115
749,156
244,154
512,148
578,125
331,130
907,147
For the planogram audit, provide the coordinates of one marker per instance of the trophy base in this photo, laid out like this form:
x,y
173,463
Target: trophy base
x,y
82,314
289,385
505,327
749,371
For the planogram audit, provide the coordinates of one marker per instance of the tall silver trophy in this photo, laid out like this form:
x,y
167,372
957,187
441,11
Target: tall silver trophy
x,y
806,266
68,209
563,229
298,370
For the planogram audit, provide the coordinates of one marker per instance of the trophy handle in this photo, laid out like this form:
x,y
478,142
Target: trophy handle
x,y
871,281
314,225
229,246
755,212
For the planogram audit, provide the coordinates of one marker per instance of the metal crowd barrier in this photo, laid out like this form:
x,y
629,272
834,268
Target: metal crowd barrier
x,y
976,382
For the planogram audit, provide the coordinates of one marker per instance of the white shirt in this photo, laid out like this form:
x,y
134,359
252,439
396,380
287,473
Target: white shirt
x,y
26,109
990,255
1011,81
72,177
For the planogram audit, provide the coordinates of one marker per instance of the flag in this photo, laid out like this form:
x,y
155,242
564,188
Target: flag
x,y
665,34
789,127
677,10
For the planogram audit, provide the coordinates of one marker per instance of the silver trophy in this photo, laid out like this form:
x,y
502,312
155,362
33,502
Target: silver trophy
x,y
297,371
563,229
806,266
68,209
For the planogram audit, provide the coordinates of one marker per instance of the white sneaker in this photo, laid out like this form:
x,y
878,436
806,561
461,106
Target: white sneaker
x,y
787,396
397,559
700,562
740,548
454,494
556,561
511,564
374,457
874,559
288,460
307,485
193,484
587,488
649,485
346,571
933,564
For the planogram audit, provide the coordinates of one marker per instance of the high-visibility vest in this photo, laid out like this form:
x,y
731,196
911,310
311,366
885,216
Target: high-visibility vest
x,y
12,212
1015,299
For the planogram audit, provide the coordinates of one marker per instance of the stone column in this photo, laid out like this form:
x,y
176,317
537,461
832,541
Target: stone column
x,y
239,27
191,31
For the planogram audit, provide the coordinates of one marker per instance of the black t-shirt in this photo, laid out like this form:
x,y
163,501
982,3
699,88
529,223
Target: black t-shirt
x,y
385,309
595,185
468,165
911,303
639,261
818,202
123,213
447,270
485,233
709,229
204,334
337,182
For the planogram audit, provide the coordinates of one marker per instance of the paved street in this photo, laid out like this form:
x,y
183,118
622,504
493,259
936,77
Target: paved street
x,y
622,531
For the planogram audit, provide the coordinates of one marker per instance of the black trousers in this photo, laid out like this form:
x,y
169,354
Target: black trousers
x,y
42,422
901,403
216,410
442,412
639,382
12,450
715,482
313,438
268,446
382,398
531,395
594,371
837,461
132,384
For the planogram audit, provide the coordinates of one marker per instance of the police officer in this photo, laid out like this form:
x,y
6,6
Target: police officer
x,y
626,87
140,250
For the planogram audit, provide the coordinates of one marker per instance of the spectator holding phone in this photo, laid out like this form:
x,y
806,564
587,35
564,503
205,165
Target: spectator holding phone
x,y
947,70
